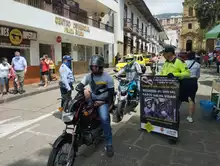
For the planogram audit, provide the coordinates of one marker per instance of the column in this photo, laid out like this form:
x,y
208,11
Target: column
x,y
34,53
58,52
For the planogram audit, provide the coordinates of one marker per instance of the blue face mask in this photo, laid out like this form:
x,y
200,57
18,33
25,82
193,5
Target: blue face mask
x,y
68,64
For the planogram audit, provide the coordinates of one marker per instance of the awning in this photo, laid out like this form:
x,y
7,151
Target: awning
x,y
213,33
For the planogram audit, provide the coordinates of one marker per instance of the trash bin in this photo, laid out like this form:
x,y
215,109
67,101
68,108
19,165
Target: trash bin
x,y
207,109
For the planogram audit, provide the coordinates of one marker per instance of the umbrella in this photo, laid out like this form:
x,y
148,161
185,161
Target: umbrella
x,y
213,33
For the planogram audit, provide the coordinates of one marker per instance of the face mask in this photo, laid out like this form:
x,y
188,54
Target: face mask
x,y
68,64
17,57
4,63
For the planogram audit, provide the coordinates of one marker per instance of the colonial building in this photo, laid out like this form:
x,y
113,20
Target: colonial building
x,y
172,27
190,37
54,27
140,31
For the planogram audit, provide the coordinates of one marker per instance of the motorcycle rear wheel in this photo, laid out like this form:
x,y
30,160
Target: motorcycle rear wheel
x,y
55,151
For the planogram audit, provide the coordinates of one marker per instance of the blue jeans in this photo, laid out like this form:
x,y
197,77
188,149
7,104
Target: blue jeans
x,y
105,120
5,82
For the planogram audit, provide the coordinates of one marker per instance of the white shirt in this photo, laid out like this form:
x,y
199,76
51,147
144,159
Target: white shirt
x,y
195,69
4,70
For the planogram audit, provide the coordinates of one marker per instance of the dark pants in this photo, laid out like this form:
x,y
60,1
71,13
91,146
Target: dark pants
x,y
218,64
65,94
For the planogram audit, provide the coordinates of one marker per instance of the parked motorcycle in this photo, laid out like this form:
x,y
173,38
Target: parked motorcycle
x,y
127,98
84,123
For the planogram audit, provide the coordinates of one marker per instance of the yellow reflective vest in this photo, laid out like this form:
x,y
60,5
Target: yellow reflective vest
x,y
177,67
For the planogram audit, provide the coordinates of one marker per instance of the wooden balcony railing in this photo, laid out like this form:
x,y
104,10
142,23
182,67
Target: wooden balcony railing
x,y
71,12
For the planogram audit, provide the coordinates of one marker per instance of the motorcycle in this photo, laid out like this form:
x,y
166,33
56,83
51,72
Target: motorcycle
x,y
84,123
127,98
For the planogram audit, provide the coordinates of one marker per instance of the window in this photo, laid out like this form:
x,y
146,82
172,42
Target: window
x,y
132,18
137,22
190,11
125,11
190,26
96,50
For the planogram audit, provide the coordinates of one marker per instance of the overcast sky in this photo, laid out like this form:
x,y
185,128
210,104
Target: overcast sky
x,y
164,6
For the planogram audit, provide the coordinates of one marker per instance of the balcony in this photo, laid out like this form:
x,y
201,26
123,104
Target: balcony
x,y
127,25
71,12
135,31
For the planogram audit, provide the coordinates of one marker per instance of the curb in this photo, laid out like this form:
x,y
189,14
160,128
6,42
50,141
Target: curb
x,y
16,97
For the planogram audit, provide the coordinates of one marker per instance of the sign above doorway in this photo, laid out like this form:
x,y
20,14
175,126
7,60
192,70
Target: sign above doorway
x,y
16,36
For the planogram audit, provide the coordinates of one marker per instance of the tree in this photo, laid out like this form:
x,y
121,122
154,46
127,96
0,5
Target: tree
x,y
207,11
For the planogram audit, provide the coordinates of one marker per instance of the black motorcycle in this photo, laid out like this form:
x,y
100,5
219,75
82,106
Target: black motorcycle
x,y
85,125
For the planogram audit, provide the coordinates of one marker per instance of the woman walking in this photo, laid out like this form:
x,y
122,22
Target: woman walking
x,y
191,86
45,69
4,73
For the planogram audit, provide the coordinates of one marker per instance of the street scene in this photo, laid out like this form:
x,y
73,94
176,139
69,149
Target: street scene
x,y
109,83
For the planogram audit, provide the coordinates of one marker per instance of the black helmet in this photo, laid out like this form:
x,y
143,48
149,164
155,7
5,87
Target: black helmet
x,y
97,60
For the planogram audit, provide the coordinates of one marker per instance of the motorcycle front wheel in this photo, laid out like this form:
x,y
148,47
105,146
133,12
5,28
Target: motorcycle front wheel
x,y
118,114
63,154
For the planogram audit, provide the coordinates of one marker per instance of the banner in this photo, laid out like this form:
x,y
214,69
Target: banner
x,y
158,105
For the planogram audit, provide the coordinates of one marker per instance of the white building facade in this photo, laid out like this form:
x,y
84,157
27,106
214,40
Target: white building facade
x,y
80,28
137,30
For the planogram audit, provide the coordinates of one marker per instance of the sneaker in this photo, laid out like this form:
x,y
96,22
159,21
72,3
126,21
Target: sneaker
x,y
190,120
109,151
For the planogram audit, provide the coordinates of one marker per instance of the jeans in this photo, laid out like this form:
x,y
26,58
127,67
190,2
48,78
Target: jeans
x,y
218,64
4,81
105,120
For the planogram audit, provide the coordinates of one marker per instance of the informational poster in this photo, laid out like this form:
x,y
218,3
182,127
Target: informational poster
x,y
158,105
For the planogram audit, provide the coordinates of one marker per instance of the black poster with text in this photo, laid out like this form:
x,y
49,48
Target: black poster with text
x,y
158,105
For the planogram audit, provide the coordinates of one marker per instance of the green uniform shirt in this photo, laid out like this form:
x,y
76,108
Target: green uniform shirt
x,y
177,67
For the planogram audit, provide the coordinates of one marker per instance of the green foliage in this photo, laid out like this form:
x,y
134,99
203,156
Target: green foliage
x,y
207,12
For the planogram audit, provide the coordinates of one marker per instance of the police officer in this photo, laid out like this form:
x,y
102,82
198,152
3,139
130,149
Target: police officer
x,y
173,65
66,78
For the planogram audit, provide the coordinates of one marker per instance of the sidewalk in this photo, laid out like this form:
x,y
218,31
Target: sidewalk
x,y
33,89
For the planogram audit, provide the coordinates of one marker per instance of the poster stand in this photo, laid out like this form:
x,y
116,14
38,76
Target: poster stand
x,y
159,106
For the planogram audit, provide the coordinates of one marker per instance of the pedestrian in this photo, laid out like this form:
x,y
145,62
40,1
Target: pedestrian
x,y
66,79
206,59
210,60
4,73
51,70
191,85
45,69
117,58
19,65
218,62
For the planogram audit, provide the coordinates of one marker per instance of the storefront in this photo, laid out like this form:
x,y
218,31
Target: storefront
x,y
15,39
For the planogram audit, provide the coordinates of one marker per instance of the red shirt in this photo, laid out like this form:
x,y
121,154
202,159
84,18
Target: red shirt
x,y
206,58
45,66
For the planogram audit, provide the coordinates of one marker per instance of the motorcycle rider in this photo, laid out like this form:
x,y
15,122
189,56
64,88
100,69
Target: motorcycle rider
x,y
132,70
66,79
101,90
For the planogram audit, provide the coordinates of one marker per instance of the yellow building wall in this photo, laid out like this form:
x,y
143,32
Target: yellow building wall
x,y
190,34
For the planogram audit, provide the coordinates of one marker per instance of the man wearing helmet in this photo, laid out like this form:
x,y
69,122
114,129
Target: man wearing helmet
x,y
66,78
101,89
132,69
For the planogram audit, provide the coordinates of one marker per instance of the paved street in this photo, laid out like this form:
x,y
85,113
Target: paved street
x,y
28,128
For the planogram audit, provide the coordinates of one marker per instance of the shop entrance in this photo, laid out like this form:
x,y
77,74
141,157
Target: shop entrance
x,y
8,53
66,49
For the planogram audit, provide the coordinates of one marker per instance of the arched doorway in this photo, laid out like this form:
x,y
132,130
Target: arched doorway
x,y
189,45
